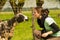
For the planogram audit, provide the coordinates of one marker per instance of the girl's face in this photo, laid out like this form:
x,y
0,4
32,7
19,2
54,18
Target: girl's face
x,y
36,14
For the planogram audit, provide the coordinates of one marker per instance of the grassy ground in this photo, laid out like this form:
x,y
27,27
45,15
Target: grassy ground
x,y
23,31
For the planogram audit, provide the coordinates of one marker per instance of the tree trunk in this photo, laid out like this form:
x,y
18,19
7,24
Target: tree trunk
x,y
14,6
39,3
20,4
2,2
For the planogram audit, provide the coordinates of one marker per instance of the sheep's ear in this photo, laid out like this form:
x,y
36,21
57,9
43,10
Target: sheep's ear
x,y
17,15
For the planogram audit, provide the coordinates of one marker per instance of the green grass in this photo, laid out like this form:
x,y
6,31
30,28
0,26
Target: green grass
x,y
23,31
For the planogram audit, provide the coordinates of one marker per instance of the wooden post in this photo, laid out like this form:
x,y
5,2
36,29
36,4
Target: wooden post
x,y
33,27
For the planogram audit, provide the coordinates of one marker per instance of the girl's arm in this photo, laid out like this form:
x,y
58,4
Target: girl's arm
x,y
55,29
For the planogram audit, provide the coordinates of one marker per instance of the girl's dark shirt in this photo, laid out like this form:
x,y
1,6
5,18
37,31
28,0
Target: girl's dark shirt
x,y
41,23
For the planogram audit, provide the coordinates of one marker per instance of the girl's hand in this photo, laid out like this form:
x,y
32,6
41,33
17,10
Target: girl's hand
x,y
45,34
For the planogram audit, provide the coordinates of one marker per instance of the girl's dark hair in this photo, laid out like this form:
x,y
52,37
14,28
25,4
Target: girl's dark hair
x,y
46,10
38,9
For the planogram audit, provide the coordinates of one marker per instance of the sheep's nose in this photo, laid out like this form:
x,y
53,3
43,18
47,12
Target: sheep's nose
x,y
27,19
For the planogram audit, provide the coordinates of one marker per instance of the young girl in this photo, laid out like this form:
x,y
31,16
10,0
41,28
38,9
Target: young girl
x,y
50,29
